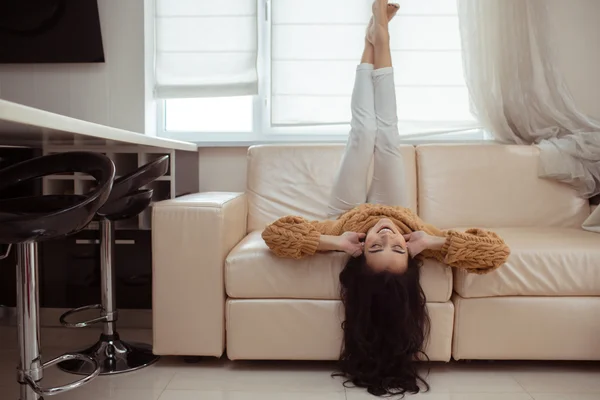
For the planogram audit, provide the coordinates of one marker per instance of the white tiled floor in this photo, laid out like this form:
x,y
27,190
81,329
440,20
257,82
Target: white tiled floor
x,y
172,379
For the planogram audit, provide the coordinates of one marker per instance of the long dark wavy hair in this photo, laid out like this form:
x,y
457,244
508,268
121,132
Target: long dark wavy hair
x,y
385,329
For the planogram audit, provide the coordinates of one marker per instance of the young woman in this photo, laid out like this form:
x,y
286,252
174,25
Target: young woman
x,y
386,321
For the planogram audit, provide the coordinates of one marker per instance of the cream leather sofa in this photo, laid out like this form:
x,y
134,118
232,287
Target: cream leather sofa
x,y
216,285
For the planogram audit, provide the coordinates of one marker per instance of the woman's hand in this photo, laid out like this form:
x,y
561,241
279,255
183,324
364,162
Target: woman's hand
x,y
419,241
350,243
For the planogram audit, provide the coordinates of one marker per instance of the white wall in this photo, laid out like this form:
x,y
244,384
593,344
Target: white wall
x,y
113,93
222,169
577,43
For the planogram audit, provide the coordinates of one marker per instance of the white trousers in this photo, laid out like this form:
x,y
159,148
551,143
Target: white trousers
x,y
373,137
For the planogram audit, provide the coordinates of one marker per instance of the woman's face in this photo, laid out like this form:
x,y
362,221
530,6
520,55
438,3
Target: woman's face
x,y
385,248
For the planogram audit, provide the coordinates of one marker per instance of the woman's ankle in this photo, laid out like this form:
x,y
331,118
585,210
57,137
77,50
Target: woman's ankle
x,y
381,37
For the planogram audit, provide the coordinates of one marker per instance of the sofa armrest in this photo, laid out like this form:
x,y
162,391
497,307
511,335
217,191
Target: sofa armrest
x,y
191,237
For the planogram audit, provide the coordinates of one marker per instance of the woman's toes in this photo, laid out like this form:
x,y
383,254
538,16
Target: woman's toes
x,y
380,11
392,10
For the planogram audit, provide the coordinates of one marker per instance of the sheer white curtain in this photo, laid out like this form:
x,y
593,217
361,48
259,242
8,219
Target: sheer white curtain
x,y
316,45
206,48
519,96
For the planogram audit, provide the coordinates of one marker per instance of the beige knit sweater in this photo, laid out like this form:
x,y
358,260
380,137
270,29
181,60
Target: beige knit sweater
x,y
476,250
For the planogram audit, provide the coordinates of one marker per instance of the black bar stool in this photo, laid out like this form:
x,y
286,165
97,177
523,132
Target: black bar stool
x,y
24,222
114,355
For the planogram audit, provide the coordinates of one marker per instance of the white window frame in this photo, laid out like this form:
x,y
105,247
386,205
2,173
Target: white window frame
x,y
264,133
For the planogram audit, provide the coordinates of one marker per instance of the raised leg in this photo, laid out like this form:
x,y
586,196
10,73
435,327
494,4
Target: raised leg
x,y
350,187
389,179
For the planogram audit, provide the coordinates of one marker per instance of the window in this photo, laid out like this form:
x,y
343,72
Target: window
x,y
209,114
307,53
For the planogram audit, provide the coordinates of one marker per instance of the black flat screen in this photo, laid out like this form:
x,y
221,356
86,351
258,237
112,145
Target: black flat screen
x,y
50,31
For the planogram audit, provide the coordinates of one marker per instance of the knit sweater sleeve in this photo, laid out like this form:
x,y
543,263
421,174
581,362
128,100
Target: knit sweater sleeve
x,y
295,237
476,250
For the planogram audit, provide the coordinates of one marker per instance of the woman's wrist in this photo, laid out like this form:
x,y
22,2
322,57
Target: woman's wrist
x,y
436,243
329,243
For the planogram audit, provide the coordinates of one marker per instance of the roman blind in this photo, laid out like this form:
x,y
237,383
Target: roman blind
x,y
317,44
206,48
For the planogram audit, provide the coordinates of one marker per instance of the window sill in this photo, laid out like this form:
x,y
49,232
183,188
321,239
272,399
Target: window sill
x,y
248,139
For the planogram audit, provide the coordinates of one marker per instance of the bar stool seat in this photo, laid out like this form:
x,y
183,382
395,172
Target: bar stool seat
x,y
24,222
114,355
127,207
13,210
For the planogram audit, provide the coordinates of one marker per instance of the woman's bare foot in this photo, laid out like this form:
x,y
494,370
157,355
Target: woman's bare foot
x,y
383,13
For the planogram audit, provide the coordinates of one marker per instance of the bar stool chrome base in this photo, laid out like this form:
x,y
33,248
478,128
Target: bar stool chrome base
x,y
31,389
31,369
113,356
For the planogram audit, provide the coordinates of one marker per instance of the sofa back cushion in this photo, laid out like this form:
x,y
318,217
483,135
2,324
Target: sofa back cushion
x,y
297,180
492,186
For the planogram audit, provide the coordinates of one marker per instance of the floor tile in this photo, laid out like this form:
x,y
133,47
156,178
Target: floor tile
x,y
557,378
460,378
565,396
363,395
12,393
195,395
287,396
490,396
112,394
248,376
152,377
223,395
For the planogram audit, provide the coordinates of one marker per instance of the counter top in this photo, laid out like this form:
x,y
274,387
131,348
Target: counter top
x,y
26,126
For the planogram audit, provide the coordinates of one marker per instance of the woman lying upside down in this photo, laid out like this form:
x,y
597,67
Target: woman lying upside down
x,y
386,321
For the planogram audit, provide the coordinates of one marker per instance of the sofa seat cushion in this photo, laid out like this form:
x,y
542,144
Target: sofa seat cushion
x,y
543,262
253,272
